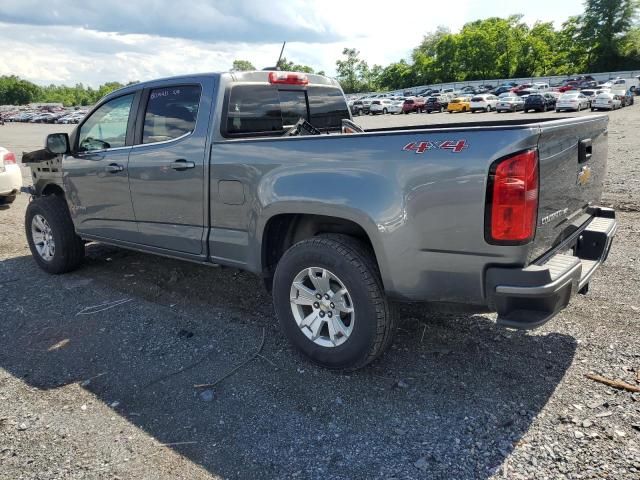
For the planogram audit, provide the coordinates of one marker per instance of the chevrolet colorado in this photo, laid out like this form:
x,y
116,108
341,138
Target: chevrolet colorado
x,y
497,216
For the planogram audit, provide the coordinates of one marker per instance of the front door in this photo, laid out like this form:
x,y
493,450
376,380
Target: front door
x,y
167,168
95,173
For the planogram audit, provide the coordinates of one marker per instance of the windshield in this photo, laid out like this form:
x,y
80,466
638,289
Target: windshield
x,y
509,99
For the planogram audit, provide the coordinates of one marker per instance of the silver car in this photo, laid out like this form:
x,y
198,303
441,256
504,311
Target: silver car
x,y
510,104
573,101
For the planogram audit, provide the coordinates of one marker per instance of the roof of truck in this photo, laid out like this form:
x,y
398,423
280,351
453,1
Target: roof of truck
x,y
245,76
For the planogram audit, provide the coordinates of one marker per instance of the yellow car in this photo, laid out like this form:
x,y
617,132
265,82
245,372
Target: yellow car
x,y
460,104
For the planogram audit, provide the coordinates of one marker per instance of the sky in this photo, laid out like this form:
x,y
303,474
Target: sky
x,y
93,42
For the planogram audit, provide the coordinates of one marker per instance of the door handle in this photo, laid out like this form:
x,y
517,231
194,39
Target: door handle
x,y
182,164
114,168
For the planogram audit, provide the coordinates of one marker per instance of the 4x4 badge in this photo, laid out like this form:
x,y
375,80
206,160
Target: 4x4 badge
x,y
456,146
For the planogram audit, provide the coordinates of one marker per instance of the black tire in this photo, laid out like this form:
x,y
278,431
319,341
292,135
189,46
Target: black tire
x,y
69,248
7,199
353,262
384,111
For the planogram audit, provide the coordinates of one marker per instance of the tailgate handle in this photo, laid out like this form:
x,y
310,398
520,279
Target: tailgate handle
x,y
585,149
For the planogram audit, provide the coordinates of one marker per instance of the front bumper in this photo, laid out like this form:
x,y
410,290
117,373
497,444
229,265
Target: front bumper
x,y
529,297
10,180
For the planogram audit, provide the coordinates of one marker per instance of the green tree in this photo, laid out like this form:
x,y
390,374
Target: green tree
x,y
16,91
604,26
242,66
347,69
396,76
288,66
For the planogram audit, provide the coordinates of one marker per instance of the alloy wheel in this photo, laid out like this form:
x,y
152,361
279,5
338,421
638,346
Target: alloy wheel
x,y
322,307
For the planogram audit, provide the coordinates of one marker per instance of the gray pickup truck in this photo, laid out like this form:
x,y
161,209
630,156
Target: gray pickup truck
x,y
498,216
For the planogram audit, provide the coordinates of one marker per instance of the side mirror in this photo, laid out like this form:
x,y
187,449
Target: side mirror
x,y
57,143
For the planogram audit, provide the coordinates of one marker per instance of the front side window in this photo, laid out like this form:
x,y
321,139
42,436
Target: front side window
x,y
107,126
171,113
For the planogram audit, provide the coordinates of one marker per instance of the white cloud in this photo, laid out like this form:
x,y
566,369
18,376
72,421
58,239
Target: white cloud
x,y
70,42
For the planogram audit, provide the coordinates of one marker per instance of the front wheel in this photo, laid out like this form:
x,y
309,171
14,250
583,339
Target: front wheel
x,y
385,111
52,239
329,298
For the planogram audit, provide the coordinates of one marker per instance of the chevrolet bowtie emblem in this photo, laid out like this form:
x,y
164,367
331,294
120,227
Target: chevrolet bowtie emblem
x,y
584,175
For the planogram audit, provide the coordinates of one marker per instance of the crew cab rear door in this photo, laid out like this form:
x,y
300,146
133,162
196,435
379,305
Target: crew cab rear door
x,y
573,159
167,165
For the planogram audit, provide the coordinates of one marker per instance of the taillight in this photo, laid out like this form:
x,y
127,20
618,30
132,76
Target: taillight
x,y
512,199
288,78
9,158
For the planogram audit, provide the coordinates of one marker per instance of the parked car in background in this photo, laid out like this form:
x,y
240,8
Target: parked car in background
x,y
590,93
358,108
436,104
587,84
569,86
483,103
459,104
522,86
606,101
511,103
540,86
414,104
503,89
539,102
380,106
626,97
396,106
10,177
366,105
625,84
573,101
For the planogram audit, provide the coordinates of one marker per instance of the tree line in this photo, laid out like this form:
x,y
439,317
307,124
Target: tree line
x,y
606,37
17,91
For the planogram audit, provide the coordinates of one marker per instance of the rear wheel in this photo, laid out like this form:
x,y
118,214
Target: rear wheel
x,y
52,239
329,299
385,111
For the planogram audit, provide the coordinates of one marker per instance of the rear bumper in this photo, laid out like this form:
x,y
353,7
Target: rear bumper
x,y
529,297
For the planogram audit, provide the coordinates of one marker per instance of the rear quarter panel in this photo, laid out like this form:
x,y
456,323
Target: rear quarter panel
x,y
423,212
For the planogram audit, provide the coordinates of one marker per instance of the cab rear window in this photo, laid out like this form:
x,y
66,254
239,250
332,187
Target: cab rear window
x,y
259,110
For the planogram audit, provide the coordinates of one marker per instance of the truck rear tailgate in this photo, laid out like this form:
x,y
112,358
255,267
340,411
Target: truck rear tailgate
x,y
573,160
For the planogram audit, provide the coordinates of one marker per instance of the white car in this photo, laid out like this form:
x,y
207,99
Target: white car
x,y
485,103
10,177
572,101
606,101
540,86
380,105
511,103
396,106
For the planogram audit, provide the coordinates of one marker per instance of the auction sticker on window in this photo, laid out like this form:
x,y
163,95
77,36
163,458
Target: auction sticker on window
x,y
456,146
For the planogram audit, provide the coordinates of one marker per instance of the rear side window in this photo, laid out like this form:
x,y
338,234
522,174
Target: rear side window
x,y
171,113
265,109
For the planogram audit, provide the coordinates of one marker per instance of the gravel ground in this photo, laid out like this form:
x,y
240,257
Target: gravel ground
x,y
97,370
